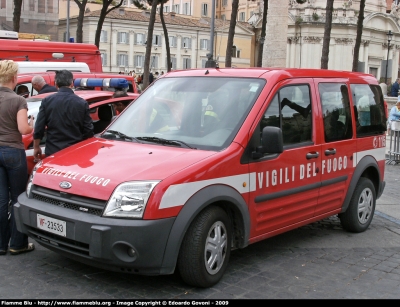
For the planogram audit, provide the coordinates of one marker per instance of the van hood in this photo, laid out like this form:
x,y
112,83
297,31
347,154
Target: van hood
x,y
95,167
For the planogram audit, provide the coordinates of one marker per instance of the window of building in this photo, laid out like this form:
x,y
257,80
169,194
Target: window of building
x,y
186,63
204,44
122,59
139,39
242,16
251,13
186,8
139,61
203,63
204,9
173,62
50,7
154,62
224,2
166,9
172,41
31,5
103,58
103,36
123,38
186,43
176,8
156,40
41,6
223,17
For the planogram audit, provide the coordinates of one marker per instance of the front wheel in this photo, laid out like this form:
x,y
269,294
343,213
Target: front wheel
x,y
361,209
205,250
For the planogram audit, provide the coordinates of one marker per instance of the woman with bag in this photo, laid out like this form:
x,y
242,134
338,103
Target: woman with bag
x,y
13,167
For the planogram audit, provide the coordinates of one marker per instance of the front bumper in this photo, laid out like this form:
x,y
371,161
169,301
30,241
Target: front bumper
x,y
132,246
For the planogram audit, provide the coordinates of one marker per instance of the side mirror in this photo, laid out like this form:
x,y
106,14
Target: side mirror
x,y
272,142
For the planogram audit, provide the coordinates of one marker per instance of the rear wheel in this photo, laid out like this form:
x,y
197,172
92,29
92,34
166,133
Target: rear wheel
x,y
361,209
205,250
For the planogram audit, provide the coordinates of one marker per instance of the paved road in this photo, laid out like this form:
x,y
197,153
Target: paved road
x,y
318,261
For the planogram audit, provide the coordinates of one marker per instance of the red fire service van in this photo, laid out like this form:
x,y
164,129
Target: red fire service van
x,y
208,161
24,50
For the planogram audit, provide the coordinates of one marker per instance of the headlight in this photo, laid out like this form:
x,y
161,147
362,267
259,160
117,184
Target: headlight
x,y
130,199
30,180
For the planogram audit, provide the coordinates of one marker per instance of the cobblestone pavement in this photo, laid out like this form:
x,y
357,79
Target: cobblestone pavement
x,y
318,261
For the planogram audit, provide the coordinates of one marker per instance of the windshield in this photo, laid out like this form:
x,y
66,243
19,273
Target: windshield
x,y
33,106
193,112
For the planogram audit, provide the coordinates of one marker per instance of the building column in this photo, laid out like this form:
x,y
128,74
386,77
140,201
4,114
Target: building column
x,y
178,52
131,59
114,35
274,51
366,56
163,53
193,61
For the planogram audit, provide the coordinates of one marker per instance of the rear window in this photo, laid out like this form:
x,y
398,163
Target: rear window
x,y
369,109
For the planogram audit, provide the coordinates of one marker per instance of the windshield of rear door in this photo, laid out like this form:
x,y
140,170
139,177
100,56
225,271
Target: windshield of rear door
x,y
201,112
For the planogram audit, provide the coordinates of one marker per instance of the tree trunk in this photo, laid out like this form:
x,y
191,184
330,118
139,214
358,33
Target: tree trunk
x,y
17,15
262,38
79,31
327,35
360,21
166,37
231,34
103,13
146,67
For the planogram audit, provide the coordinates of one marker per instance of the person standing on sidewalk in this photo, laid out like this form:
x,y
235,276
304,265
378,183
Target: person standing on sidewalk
x,y
13,167
394,91
66,116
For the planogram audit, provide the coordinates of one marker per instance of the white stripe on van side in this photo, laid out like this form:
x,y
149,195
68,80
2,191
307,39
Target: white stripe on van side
x,y
178,194
377,153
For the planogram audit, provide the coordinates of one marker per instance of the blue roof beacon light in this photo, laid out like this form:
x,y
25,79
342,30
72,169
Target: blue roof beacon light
x,y
101,82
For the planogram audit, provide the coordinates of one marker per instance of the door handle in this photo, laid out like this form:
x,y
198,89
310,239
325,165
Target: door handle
x,y
312,155
330,151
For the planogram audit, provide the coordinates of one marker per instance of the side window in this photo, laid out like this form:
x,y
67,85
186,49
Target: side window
x,y
369,109
335,111
290,110
25,90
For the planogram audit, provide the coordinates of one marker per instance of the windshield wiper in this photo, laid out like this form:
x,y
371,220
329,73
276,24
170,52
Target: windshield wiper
x,y
165,141
121,135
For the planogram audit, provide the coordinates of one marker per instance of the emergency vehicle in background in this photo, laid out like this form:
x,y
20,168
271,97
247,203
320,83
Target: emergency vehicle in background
x,y
25,79
39,50
97,100
210,160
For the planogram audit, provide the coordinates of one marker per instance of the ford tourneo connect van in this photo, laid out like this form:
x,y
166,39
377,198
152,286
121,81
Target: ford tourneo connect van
x,y
211,160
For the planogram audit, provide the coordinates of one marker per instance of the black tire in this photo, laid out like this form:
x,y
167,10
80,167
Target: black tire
x,y
361,209
205,251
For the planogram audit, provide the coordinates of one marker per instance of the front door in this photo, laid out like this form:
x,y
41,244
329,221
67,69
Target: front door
x,y
287,184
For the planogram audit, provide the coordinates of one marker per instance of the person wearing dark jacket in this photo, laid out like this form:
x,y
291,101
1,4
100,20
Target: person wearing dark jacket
x,y
394,91
65,115
40,85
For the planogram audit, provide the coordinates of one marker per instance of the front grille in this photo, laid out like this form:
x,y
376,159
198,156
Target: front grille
x,y
69,201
